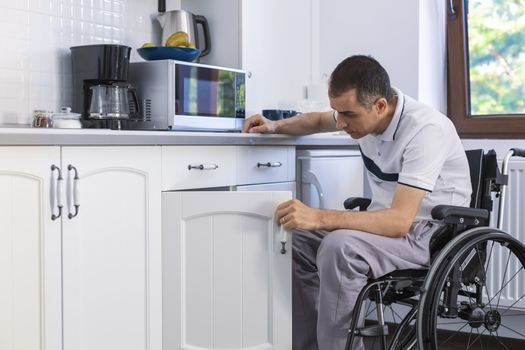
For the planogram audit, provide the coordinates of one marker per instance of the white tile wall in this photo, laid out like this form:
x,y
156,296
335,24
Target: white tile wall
x,y
35,37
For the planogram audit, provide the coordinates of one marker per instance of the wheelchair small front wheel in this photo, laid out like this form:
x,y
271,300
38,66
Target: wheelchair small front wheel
x,y
476,299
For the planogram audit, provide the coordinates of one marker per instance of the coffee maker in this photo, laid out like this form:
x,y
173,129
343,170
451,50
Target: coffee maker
x,y
101,92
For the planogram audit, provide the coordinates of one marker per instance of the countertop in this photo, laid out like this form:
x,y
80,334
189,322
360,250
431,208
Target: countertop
x,y
26,136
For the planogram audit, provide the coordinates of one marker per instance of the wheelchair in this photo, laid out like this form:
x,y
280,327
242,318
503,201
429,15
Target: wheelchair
x,y
462,301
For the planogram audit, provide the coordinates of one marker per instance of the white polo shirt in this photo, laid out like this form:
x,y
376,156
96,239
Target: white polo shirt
x,y
420,148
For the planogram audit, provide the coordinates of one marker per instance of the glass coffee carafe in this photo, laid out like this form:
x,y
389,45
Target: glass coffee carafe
x,y
112,101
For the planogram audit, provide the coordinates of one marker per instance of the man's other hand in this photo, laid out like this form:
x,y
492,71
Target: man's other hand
x,y
257,124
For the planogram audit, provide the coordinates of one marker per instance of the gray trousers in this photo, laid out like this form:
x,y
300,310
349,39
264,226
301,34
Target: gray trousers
x,y
330,269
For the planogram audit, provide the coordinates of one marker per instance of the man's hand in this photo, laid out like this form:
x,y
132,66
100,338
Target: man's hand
x,y
295,214
258,124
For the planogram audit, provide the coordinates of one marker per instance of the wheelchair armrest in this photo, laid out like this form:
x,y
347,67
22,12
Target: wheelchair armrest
x,y
354,202
452,214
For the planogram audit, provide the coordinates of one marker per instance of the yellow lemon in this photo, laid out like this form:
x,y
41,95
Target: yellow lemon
x,y
148,45
177,39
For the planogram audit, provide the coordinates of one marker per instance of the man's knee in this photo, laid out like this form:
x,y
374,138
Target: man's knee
x,y
340,243
343,250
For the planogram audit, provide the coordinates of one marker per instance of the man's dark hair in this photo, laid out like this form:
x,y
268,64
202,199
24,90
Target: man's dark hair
x,y
364,74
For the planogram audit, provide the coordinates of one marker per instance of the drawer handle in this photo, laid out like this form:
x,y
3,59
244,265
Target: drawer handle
x,y
270,164
203,167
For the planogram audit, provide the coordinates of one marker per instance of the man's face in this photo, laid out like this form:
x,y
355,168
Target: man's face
x,y
356,119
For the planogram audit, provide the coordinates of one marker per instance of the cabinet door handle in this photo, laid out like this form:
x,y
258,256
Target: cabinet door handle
x,y
76,191
270,164
203,166
283,239
58,193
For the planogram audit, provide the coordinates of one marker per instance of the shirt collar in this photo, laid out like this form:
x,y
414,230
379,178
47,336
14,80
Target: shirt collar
x,y
390,132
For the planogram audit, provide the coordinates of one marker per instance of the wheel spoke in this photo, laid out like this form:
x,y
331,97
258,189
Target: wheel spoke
x,y
513,330
453,334
484,271
469,336
480,338
370,309
499,341
477,337
510,307
503,279
510,280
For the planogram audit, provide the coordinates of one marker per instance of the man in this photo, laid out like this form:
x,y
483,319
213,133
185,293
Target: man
x,y
414,160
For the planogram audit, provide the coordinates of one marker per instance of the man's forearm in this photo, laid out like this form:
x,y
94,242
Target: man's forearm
x,y
385,222
305,124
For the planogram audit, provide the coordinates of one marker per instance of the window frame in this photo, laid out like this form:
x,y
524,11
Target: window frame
x,y
493,126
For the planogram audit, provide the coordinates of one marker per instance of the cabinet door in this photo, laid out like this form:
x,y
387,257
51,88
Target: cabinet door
x,y
226,283
111,250
276,51
30,290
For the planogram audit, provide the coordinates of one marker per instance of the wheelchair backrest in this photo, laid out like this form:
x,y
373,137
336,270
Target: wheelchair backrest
x,y
475,163
484,176
484,172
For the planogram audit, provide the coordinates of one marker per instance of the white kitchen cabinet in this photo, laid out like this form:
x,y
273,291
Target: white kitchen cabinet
x,y
276,50
92,281
30,280
112,250
270,39
226,284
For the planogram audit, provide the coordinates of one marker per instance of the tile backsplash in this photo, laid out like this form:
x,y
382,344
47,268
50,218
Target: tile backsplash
x,y
35,64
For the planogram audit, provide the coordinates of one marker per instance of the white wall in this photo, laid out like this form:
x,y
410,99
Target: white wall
x,y
432,77
225,30
35,68
407,37
385,29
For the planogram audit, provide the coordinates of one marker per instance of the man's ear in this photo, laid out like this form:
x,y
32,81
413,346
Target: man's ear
x,y
381,105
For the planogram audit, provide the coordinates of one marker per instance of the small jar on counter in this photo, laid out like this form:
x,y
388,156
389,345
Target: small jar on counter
x,y
42,118
66,119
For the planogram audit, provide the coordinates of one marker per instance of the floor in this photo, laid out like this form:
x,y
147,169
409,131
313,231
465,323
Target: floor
x,y
460,342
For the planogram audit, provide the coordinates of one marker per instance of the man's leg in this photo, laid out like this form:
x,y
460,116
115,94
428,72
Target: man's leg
x,y
346,259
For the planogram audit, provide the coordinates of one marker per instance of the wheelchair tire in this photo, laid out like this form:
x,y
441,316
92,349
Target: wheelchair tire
x,y
485,314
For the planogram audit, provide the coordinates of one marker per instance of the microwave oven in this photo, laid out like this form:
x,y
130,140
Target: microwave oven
x,y
177,95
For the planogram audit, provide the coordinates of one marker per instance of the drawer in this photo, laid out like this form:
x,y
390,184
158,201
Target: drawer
x,y
188,167
265,164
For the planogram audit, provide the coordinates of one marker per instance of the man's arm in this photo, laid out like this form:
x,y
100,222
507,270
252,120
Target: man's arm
x,y
303,124
393,222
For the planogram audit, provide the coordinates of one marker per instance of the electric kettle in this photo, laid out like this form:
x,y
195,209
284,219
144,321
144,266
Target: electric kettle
x,y
180,20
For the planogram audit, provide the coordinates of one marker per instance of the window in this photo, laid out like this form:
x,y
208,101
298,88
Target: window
x,y
486,67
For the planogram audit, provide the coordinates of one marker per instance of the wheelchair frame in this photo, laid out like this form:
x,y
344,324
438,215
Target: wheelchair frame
x,y
468,228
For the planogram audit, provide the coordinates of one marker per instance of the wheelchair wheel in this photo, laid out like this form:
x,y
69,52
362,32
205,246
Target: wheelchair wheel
x,y
475,294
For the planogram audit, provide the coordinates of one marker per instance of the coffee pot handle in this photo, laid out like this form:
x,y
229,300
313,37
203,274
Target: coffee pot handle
x,y
206,30
133,93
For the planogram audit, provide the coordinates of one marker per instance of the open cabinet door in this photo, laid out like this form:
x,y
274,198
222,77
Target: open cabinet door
x,y
226,283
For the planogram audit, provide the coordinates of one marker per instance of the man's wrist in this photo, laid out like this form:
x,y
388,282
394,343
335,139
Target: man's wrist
x,y
326,220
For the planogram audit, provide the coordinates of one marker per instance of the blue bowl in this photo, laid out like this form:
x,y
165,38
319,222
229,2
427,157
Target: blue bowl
x,y
169,53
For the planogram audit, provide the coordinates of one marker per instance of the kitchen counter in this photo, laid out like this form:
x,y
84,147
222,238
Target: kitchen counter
x,y
26,136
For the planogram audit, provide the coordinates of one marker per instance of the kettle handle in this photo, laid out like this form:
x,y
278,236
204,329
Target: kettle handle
x,y
206,30
162,6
